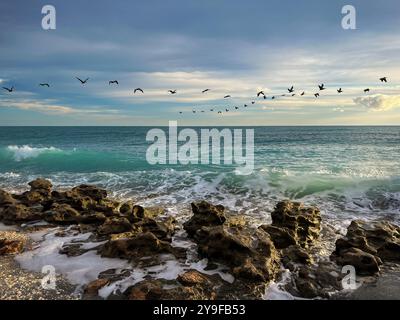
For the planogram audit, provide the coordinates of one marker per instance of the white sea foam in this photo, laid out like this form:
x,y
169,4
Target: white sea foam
x,y
78,270
26,151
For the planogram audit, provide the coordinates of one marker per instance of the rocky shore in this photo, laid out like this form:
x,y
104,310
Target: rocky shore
x,y
253,257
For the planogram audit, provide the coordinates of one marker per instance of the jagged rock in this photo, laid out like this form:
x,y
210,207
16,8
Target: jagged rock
x,y
6,198
294,224
316,281
138,213
41,185
192,285
62,214
367,244
92,288
364,263
92,218
126,207
161,229
192,278
20,213
114,225
204,215
11,246
91,192
130,246
250,253
295,255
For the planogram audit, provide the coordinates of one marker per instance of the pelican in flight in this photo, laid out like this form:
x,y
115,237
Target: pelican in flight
x,y
82,81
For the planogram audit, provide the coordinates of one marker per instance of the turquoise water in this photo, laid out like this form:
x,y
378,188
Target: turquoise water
x,y
347,171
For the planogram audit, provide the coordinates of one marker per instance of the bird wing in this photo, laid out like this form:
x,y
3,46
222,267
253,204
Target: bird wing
x,y
79,79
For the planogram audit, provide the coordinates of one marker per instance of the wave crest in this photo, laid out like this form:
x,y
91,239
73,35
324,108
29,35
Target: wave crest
x,y
26,151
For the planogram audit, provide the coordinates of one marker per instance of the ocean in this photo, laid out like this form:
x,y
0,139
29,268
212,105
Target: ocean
x,y
348,172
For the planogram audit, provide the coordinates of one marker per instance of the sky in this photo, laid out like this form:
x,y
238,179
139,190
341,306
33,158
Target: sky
x,y
234,48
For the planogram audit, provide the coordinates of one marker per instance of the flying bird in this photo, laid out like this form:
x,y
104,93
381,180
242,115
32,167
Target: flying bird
x,y
227,96
273,97
340,90
303,93
180,112
236,108
9,89
227,110
44,85
261,93
253,102
366,90
321,87
211,110
205,90
384,79
138,89
245,105
172,91
83,81
316,95
293,94
220,112
113,81
291,89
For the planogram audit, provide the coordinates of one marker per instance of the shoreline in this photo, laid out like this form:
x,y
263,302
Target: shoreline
x,y
142,253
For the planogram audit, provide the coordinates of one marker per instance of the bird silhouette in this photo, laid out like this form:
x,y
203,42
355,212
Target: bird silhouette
x,y
194,111
227,110
113,81
82,81
303,93
205,90
260,93
321,87
245,105
253,102
202,110
9,89
293,94
340,90
366,90
138,89
172,91
44,85
236,108
220,112
211,110
180,112
273,97
291,89
227,96
384,79
316,95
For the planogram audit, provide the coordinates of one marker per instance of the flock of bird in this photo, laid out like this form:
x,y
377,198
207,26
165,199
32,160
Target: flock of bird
x,y
291,92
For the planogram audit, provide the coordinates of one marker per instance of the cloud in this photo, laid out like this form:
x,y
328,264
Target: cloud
x,y
50,107
378,102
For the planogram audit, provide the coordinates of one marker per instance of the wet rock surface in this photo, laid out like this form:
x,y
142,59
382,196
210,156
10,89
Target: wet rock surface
x,y
368,244
241,259
294,224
